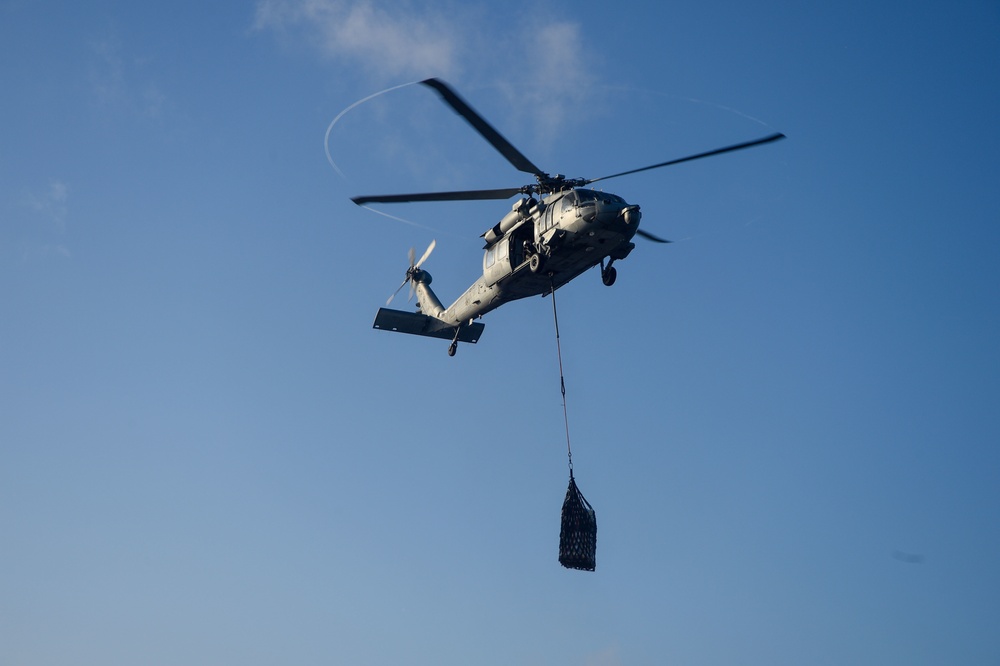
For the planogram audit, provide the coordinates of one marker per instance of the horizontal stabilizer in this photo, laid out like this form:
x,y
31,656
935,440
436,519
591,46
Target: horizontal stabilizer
x,y
415,323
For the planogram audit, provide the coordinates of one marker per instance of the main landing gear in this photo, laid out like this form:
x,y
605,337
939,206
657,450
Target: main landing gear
x,y
608,274
536,262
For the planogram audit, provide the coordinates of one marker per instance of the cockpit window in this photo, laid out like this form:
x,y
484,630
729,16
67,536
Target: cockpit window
x,y
568,201
606,197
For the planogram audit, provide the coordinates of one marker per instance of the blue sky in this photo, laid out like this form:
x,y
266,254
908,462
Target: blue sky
x,y
786,420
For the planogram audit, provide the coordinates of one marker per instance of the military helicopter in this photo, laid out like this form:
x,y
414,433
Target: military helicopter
x,y
555,231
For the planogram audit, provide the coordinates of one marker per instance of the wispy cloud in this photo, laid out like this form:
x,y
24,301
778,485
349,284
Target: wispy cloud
x,y
117,81
389,43
42,229
560,81
542,65
51,207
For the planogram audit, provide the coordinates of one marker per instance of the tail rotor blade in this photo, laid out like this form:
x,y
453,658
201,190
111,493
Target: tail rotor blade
x,y
427,253
414,265
397,291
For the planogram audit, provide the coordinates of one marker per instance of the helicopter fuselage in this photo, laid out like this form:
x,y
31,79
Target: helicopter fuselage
x,y
541,245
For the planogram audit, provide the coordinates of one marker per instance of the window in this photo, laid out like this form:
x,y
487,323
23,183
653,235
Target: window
x,y
569,200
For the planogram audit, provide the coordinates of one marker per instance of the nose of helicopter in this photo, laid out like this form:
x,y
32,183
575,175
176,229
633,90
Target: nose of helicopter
x,y
609,211
626,220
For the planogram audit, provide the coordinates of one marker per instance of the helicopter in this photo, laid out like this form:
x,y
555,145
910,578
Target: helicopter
x,y
556,230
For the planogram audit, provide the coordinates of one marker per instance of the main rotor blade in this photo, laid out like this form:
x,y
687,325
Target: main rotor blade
x,y
717,151
466,195
648,236
503,146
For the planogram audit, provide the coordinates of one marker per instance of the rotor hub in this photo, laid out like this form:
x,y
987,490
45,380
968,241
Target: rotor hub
x,y
419,275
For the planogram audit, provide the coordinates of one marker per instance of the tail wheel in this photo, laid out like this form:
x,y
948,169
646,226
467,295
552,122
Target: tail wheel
x,y
535,262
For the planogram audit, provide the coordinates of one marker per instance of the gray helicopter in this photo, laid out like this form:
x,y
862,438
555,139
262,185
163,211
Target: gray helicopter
x,y
555,231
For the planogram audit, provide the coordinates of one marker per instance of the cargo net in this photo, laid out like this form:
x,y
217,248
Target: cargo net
x,y
578,535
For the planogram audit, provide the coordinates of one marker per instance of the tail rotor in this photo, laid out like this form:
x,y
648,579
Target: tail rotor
x,y
413,270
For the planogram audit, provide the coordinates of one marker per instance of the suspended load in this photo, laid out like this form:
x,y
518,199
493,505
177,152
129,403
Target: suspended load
x,y
578,535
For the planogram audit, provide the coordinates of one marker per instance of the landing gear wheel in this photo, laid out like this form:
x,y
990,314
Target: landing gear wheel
x,y
452,348
609,275
535,262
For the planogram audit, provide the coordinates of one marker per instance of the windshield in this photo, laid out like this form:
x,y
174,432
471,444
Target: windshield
x,y
590,195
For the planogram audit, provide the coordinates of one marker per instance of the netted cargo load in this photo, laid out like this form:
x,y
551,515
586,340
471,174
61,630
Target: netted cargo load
x,y
578,535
